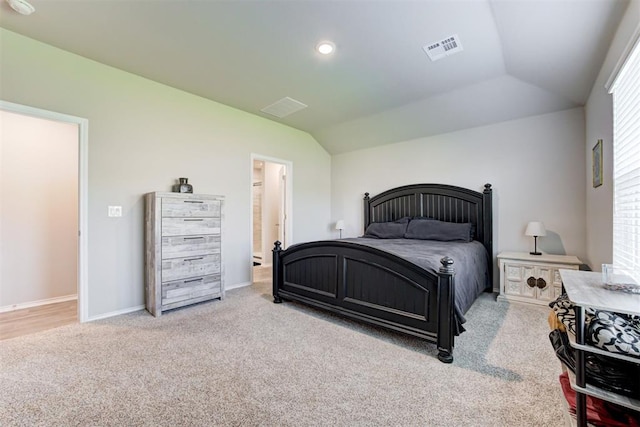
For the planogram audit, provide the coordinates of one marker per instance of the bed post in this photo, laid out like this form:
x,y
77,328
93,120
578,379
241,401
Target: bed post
x,y
487,221
487,218
446,296
277,271
367,212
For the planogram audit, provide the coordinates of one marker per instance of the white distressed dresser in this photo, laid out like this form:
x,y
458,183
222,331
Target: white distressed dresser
x,y
183,252
533,278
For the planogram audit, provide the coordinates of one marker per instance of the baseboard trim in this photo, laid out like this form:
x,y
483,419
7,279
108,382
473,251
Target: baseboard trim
x,y
116,313
31,304
141,307
237,285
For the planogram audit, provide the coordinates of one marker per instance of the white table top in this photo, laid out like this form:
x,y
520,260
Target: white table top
x,y
585,288
552,259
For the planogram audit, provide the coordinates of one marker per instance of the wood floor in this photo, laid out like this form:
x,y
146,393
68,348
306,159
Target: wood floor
x,y
35,319
261,273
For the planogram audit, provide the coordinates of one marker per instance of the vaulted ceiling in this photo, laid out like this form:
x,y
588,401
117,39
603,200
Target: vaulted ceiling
x,y
519,57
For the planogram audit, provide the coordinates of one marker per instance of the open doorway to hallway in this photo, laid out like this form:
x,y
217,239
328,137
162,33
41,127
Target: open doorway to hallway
x,y
271,221
42,155
38,222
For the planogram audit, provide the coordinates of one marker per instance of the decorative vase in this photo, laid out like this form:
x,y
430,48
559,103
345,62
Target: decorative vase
x,y
183,186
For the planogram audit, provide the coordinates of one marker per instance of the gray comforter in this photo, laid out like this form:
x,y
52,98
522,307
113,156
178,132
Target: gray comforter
x,y
471,264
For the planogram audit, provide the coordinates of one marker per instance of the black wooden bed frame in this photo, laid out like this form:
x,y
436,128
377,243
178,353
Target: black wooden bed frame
x,y
379,288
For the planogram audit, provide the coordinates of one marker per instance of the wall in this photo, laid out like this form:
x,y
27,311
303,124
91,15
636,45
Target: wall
x,y
142,137
599,125
258,186
39,209
534,164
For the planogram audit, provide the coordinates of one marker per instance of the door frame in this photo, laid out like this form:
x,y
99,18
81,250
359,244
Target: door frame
x,y
288,230
83,192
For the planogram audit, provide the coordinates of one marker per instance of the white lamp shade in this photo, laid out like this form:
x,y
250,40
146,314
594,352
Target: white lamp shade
x,y
535,228
340,224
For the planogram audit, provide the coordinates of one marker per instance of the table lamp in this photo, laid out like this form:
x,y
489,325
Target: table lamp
x,y
535,229
340,226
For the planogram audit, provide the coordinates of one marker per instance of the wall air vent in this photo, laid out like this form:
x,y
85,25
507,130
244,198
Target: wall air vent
x,y
284,107
445,47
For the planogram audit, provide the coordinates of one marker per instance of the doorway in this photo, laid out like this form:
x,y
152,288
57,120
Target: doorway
x,y
44,173
271,216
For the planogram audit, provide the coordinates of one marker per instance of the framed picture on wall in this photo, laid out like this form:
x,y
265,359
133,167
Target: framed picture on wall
x,y
597,164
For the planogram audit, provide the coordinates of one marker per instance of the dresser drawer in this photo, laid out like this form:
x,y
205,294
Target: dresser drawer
x,y
181,268
185,291
180,207
189,246
190,226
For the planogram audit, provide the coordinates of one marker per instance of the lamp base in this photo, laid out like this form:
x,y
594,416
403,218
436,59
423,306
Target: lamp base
x,y
535,253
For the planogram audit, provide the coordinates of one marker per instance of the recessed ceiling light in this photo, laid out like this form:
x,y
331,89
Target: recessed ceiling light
x,y
325,47
21,6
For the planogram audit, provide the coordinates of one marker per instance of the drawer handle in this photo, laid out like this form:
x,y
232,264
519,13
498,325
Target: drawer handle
x,y
531,281
193,201
541,284
193,238
194,219
193,280
193,259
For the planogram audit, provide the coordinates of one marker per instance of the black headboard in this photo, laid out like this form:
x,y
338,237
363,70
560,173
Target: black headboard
x,y
438,201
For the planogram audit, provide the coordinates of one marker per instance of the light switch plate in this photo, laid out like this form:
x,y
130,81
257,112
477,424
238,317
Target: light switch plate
x,y
115,210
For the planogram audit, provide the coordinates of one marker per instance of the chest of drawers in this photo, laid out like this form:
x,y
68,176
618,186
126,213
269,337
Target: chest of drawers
x,y
183,250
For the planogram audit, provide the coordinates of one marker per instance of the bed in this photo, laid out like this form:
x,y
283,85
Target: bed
x,y
386,283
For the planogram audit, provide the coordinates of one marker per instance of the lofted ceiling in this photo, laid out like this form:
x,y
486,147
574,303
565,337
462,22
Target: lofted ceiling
x,y
519,58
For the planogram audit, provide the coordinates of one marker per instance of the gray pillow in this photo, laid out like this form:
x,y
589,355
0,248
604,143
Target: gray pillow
x,y
432,229
387,230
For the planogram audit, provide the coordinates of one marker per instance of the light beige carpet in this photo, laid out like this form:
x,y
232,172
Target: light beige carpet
x,y
245,361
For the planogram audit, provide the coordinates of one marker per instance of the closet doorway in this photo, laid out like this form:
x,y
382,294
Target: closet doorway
x,y
271,216
43,219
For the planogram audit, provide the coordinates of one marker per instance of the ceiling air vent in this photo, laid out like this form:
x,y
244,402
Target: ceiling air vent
x,y
284,107
445,47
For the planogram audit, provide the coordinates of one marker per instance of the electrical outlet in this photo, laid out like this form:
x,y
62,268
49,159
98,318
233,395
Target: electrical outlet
x,y
115,210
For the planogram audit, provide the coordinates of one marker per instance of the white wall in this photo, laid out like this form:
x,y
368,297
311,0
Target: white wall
x,y
38,209
142,137
599,125
534,164
258,178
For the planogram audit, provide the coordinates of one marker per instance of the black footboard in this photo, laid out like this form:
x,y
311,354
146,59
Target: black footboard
x,y
369,285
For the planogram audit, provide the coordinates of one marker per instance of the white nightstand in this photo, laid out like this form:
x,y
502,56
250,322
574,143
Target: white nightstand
x,y
532,278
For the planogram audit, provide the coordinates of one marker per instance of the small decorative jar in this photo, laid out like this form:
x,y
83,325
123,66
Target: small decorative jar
x,y
183,186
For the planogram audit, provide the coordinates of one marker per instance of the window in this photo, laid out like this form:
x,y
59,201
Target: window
x,y
626,165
